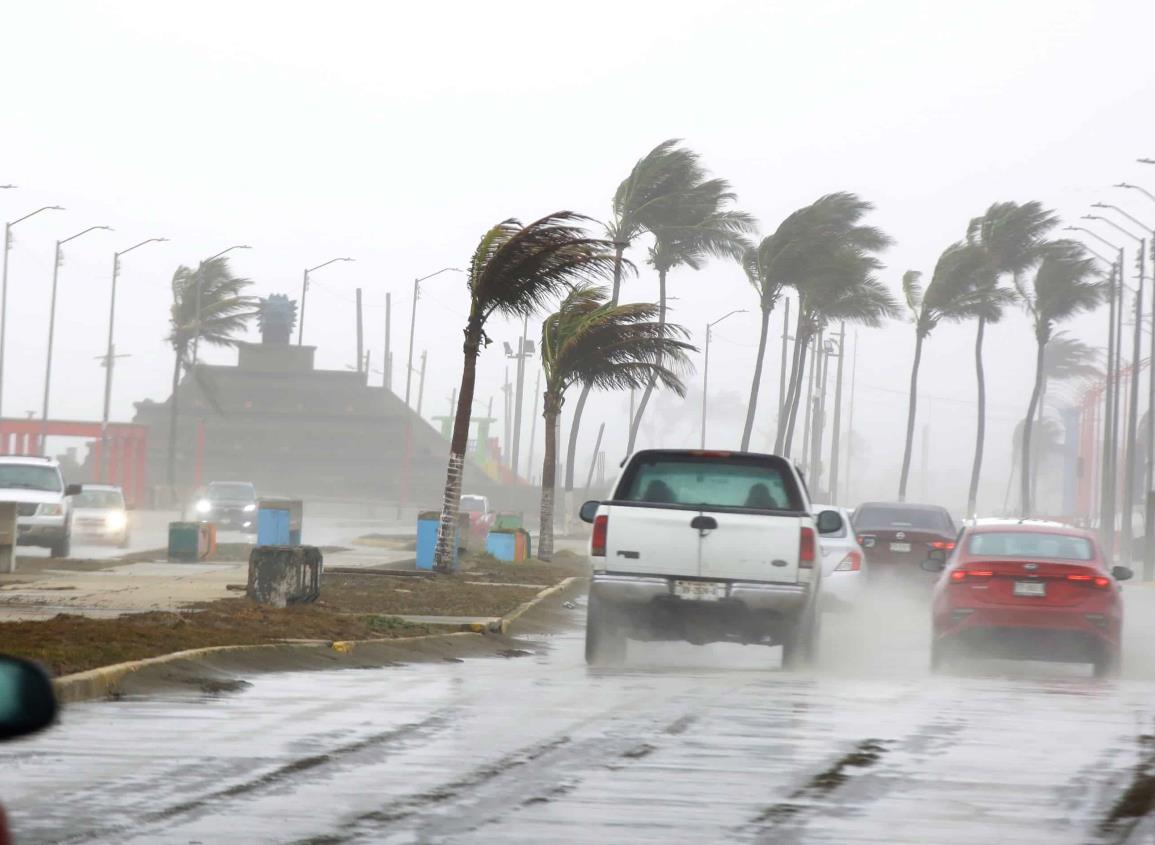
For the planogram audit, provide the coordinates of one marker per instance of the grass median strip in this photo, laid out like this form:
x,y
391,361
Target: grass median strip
x,y
352,607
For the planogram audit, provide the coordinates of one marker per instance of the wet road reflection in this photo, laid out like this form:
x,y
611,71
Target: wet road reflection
x,y
708,745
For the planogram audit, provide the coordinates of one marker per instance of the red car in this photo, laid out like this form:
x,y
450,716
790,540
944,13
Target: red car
x,y
1029,590
896,536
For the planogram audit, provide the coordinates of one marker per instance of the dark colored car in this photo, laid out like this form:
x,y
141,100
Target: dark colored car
x,y
229,504
896,536
1027,590
27,705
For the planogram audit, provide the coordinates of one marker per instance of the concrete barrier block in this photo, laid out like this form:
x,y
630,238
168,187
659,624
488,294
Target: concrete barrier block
x,y
284,575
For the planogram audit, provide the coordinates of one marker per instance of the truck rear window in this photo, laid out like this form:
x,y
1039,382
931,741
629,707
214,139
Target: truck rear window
x,y
734,481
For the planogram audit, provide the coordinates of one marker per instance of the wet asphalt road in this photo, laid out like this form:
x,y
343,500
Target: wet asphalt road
x,y
683,745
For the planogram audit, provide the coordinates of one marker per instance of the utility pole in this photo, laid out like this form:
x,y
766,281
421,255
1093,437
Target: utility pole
x,y
815,363
525,349
533,427
706,368
387,380
360,333
1132,451
850,416
421,384
836,429
413,323
782,363
304,293
507,427
594,459
820,417
4,283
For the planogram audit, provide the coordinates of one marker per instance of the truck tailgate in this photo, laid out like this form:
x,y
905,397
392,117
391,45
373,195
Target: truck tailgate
x,y
651,540
755,547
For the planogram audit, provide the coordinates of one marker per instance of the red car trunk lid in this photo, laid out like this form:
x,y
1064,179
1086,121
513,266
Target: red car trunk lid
x,y
1030,583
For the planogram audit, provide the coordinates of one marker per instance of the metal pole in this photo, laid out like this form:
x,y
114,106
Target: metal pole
x,y
360,334
1117,411
814,364
301,322
594,459
836,428
820,420
412,330
108,362
705,384
1149,520
387,379
4,304
850,415
48,363
421,384
782,363
522,347
533,427
1106,496
1132,452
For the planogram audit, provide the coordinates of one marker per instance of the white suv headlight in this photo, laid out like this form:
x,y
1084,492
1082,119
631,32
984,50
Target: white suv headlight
x,y
50,509
115,520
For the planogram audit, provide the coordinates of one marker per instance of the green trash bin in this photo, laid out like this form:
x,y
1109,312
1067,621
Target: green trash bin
x,y
508,522
184,541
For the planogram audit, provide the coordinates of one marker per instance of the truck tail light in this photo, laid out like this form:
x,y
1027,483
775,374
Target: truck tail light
x,y
806,548
598,540
851,563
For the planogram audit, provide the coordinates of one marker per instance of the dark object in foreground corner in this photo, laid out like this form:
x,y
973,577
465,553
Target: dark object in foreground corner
x,y
280,576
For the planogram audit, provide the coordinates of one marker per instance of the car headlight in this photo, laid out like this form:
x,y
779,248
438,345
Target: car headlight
x,y
204,506
50,509
115,521
250,508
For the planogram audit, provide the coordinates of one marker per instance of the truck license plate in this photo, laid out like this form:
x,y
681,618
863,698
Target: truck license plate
x,y
900,547
700,590
1030,588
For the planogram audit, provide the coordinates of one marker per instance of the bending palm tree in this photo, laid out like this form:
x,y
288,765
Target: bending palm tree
x,y
225,311
514,271
644,200
701,228
1065,284
1011,235
951,296
605,346
759,266
828,257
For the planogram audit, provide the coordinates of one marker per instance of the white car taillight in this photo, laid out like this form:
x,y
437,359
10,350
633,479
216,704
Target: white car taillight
x,y
851,563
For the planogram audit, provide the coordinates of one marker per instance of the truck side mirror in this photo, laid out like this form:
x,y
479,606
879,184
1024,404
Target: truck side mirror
x,y
830,522
589,511
73,489
27,701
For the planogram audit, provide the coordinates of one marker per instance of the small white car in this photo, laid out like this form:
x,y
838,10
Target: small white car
x,y
843,564
100,515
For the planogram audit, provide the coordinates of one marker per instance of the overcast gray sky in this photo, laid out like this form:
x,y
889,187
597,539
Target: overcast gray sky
x,y
396,133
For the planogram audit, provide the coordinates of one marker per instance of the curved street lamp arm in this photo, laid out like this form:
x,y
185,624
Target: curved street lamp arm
x,y
85,232
724,316
1111,222
224,251
439,272
327,263
1143,227
139,245
1138,188
1093,234
37,211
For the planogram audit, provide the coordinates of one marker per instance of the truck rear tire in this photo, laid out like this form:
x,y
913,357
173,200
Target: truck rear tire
x,y
605,641
800,647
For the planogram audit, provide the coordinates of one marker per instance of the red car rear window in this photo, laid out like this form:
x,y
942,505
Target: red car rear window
x,y
1032,544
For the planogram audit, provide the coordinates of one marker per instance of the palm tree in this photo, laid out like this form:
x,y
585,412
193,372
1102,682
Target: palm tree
x,y
700,227
1065,284
606,346
951,296
225,311
514,271
644,200
1012,235
758,262
828,257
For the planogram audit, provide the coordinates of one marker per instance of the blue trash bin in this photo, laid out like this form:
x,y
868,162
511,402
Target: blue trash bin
x,y
273,525
502,545
428,523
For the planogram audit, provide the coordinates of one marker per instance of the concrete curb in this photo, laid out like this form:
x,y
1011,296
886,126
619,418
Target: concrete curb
x,y
104,680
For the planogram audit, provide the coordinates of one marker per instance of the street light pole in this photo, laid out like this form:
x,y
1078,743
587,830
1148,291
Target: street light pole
x,y
4,284
108,360
706,367
58,259
200,287
413,324
1110,405
836,429
305,291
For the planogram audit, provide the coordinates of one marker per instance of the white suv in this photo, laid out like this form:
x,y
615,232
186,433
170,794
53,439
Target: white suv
x,y
43,509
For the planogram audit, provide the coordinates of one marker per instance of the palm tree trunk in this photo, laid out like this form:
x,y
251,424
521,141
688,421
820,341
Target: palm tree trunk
x,y
752,405
911,410
1037,458
784,416
173,413
451,504
548,477
637,421
575,424
796,392
981,429
1028,424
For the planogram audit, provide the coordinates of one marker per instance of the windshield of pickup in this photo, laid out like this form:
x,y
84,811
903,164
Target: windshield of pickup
x,y
747,482
30,477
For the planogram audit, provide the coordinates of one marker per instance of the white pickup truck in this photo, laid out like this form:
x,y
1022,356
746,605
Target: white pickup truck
x,y
706,546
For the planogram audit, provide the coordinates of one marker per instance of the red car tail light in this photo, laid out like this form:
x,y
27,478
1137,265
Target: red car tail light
x,y
960,575
1097,581
851,563
598,540
943,544
806,548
